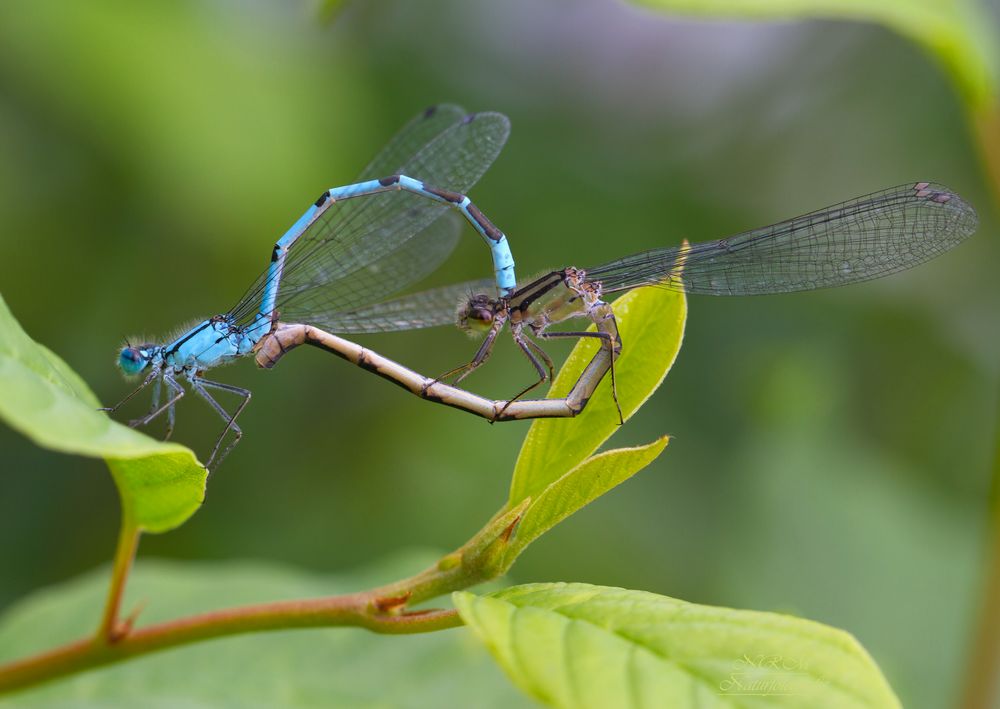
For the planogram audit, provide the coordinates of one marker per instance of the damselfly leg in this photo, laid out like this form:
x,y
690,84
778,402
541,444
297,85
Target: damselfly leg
x,y
150,378
604,320
155,404
610,344
482,354
610,341
177,394
533,353
198,385
171,419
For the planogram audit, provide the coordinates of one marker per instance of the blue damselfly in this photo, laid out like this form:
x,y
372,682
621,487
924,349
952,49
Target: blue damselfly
x,y
341,254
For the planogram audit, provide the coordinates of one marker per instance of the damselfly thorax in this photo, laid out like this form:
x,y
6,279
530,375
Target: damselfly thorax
x,y
548,300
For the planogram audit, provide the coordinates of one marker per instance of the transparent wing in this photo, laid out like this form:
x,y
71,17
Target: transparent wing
x,y
429,308
864,238
443,147
416,259
421,130
339,240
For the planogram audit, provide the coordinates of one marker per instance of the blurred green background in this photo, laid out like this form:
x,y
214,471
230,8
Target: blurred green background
x,y
832,450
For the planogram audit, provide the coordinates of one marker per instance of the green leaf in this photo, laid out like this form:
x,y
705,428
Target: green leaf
x,y
576,645
959,33
651,323
161,484
321,667
579,487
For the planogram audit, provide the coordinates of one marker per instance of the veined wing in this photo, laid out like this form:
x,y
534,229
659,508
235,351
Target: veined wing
x,y
444,147
858,240
429,308
414,260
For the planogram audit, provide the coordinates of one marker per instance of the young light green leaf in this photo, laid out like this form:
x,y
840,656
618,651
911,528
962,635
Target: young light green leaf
x,y
958,32
576,645
651,322
579,487
294,669
161,484
159,492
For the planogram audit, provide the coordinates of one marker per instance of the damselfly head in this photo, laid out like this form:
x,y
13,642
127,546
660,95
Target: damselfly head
x,y
476,314
134,359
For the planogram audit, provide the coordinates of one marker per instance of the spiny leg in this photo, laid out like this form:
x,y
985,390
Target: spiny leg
x,y
178,393
199,384
604,319
526,347
543,354
145,383
482,354
170,411
155,399
614,346
170,424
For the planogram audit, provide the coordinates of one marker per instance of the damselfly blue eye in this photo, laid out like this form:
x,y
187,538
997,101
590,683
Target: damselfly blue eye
x,y
132,360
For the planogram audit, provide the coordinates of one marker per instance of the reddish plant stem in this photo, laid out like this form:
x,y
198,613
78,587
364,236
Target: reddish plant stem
x,y
128,541
350,610
381,610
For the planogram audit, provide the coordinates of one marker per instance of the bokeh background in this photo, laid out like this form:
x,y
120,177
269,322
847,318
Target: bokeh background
x,y
832,450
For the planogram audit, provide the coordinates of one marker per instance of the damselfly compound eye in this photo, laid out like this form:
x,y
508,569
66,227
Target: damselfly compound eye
x,y
132,360
476,314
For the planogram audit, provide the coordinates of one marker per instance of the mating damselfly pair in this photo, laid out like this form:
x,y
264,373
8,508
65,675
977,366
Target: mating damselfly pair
x,y
339,265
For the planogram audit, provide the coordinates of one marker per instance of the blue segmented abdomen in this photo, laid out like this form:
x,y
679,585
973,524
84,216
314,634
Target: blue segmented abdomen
x,y
503,259
273,279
